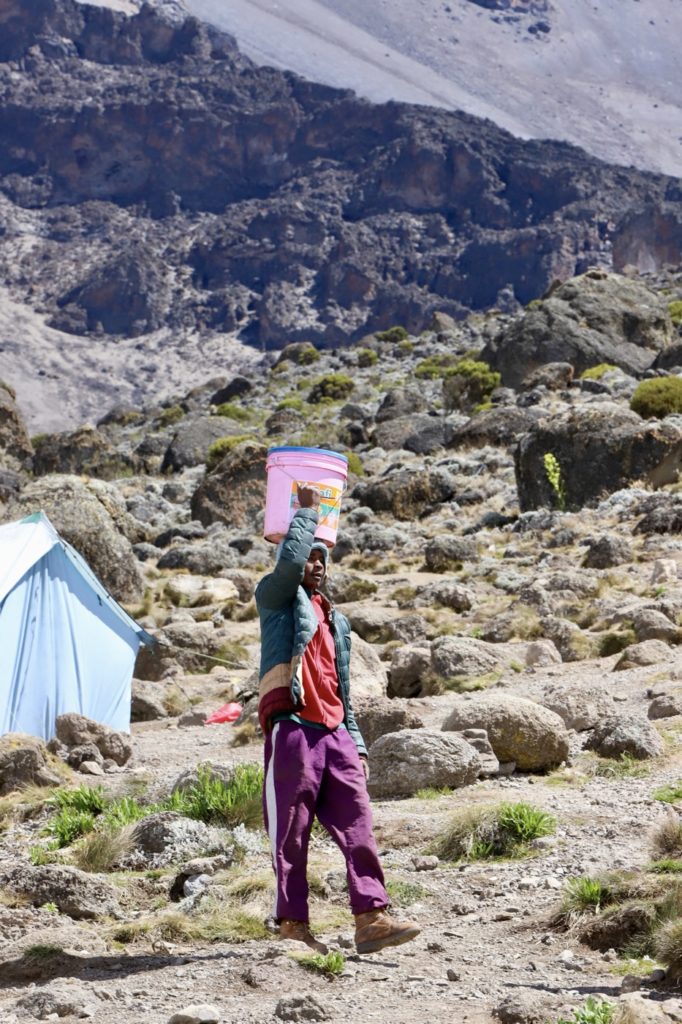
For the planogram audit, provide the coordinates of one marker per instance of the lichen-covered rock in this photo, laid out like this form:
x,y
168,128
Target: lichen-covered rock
x,y
410,666
25,761
85,450
377,716
192,439
14,437
168,837
74,893
82,513
407,493
460,657
648,652
606,551
580,708
598,450
74,730
625,734
519,730
234,492
403,762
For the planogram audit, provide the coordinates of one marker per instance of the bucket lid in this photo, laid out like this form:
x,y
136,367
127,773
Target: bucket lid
x,y
310,451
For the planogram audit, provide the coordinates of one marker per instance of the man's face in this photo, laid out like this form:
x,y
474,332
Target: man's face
x,y
313,576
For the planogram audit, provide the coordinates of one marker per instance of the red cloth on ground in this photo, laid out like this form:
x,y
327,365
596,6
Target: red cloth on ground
x,y
320,680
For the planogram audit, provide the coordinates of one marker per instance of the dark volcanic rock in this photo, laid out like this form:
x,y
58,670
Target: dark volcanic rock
x,y
173,182
596,318
407,493
234,493
598,450
13,434
82,451
192,440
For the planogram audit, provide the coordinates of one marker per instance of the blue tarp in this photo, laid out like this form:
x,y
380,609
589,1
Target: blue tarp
x,y
65,644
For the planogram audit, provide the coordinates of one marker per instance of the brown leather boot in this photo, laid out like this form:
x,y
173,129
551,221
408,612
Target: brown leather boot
x,y
376,929
299,931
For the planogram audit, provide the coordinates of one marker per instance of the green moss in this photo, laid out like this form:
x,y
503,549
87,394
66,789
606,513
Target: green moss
x,y
355,465
597,372
657,397
219,449
172,414
675,310
367,357
405,347
233,412
294,402
333,386
393,334
301,353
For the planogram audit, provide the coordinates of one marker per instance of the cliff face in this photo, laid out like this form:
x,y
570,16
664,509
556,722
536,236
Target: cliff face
x,y
165,180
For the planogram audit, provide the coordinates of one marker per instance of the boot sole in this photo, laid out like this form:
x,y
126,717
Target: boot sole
x,y
396,939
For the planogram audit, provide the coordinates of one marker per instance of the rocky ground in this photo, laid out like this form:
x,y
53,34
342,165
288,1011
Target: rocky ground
x,y
517,628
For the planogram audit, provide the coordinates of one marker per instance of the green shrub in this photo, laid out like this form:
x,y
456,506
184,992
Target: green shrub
x,y
233,412
657,397
469,383
330,964
301,353
83,798
294,402
172,414
367,357
219,449
68,825
593,1012
675,310
597,372
555,479
334,387
435,366
355,465
669,794
393,334
584,895
615,641
668,948
215,802
405,347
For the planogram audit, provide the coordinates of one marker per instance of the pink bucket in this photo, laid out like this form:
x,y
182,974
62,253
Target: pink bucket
x,y
286,468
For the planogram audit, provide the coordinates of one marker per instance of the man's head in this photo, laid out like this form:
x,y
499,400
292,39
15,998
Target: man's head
x,y
316,566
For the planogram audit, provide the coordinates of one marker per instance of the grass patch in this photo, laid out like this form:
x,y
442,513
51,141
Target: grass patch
x,y
233,412
215,802
667,866
623,767
666,840
404,894
330,965
101,850
669,794
585,895
43,951
215,924
485,833
432,793
69,825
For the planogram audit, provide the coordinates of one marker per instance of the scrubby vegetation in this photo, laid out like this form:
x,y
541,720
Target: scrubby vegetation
x,y
483,833
657,397
333,387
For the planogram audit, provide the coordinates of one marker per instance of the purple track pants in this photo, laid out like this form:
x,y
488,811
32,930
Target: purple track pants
x,y
311,772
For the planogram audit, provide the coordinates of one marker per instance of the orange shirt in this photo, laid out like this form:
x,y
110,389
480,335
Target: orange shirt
x,y
323,703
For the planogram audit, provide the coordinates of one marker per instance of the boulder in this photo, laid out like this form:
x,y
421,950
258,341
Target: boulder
x,y
648,652
193,438
410,666
651,624
14,439
204,559
553,376
541,653
368,674
169,838
591,319
606,551
625,734
85,515
379,625
420,434
447,594
82,451
403,762
146,702
666,705
580,708
25,761
407,493
74,893
234,492
598,450
500,426
401,403
519,730
200,590
189,778
60,999
444,554
74,730
377,716
460,657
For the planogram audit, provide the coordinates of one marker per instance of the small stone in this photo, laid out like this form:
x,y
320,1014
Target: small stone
x,y
453,975
301,1008
630,983
200,1013
196,884
426,862
90,768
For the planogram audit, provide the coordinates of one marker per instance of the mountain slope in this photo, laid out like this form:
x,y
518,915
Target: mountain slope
x,y
603,74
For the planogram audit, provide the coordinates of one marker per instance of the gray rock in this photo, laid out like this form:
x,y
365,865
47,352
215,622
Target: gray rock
x,y
193,438
522,1008
146,703
74,893
648,652
625,734
297,1008
650,624
478,738
606,551
14,437
519,730
403,762
168,837
189,778
234,492
377,716
553,376
87,516
60,999
443,554
407,493
25,761
367,671
540,653
191,718
447,593
457,657
667,705
419,434
401,402
580,708
74,730
198,1013
410,666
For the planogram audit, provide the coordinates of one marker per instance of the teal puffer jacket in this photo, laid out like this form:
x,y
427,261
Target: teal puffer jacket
x,y
288,623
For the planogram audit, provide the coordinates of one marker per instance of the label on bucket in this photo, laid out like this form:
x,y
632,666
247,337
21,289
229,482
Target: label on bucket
x,y
330,503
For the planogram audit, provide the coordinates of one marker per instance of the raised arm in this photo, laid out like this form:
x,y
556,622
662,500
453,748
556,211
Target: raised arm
x,y
278,588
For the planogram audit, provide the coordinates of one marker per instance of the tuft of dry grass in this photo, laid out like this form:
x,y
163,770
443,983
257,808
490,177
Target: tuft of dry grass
x,y
668,947
666,839
102,850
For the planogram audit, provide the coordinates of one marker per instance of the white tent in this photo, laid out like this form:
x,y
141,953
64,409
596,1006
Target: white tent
x,y
65,644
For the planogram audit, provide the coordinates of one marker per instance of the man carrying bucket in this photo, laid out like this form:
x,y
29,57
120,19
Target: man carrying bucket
x,y
315,757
